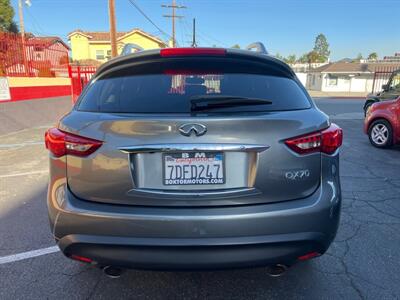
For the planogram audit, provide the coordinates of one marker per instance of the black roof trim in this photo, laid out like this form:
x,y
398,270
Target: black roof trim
x,y
149,55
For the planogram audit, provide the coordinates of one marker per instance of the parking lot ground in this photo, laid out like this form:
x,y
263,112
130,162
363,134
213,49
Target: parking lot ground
x,y
362,263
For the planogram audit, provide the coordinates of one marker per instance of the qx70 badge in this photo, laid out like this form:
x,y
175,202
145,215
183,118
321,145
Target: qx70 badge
x,y
197,129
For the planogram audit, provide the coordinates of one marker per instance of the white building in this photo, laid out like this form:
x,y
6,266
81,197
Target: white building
x,y
346,77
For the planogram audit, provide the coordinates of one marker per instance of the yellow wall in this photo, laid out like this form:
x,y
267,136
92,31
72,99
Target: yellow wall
x,y
96,46
83,48
79,46
37,81
141,40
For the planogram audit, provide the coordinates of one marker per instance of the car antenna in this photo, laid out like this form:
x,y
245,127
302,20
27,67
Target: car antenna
x,y
194,44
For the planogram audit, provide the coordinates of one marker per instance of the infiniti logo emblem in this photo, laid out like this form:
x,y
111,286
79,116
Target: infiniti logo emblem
x,y
187,129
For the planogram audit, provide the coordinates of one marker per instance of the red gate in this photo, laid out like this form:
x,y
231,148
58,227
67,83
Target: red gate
x,y
80,76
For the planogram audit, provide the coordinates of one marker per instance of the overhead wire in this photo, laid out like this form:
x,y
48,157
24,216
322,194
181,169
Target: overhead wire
x,y
134,4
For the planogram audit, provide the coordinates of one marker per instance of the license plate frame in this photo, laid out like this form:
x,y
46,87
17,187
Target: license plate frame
x,y
214,180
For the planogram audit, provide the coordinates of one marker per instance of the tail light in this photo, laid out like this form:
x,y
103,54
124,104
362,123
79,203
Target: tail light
x,y
61,143
309,256
167,52
325,141
81,258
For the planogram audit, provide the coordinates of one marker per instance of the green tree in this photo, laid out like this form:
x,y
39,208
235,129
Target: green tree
x,y
313,57
303,59
236,46
358,58
278,56
291,59
321,47
373,56
6,17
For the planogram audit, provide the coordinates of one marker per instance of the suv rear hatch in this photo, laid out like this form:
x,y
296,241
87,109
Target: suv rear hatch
x,y
194,131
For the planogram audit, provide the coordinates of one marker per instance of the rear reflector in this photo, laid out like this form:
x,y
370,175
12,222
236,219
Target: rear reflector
x,y
325,141
81,258
309,256
61,143
168,52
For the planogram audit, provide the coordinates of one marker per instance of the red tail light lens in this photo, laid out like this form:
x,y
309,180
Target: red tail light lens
x,y
326,141
168,52
332,139
81,258
61,143
309,256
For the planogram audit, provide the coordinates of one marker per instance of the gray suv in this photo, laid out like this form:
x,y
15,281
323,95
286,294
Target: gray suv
x,y
194,158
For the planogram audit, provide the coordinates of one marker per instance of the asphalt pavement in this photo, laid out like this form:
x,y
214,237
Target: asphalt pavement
x,y
362,263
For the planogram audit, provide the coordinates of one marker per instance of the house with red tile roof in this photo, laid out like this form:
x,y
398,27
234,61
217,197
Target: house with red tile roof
x,y
96,45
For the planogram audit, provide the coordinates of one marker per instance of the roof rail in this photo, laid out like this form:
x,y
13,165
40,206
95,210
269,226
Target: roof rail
x,y
130,48
260,48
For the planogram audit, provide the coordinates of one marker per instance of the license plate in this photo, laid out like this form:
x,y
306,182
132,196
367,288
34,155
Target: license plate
x,y
193,168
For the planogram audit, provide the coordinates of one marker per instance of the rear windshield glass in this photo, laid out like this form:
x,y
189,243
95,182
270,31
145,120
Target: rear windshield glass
x,y
172,93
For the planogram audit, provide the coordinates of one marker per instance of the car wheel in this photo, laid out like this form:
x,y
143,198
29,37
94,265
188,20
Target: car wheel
x,y
380,134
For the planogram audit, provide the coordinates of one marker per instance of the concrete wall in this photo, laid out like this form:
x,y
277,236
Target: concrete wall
x,y
302,77
38,81
23,88
314,81
345,82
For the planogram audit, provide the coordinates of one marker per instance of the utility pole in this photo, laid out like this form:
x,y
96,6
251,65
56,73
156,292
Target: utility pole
x,y
22,30
21,19
173,16
194,44
113,30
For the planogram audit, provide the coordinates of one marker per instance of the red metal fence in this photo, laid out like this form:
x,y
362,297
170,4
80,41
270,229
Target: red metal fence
x,y
32,56
80,76
381,77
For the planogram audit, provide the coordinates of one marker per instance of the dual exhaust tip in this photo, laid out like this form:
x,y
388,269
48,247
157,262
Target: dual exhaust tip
x,y
273,271
277,270
113,272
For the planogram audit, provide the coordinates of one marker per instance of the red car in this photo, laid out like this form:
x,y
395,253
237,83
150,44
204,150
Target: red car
x,y
382,123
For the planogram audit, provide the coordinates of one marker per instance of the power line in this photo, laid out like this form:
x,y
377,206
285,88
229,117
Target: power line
x,y
173,16
183,32
147,17
201,34
38,28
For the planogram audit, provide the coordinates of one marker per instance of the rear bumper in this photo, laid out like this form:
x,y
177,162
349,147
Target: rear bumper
x,y
189,254
195,238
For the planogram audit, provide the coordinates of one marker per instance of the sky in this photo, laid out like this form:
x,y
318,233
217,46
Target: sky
x,y
284,26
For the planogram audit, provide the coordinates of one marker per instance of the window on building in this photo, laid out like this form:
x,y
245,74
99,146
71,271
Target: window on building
x,y
100,54
108,54
332,80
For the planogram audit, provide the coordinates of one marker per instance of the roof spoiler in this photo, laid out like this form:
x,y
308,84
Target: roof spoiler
x,y
258,46
130,48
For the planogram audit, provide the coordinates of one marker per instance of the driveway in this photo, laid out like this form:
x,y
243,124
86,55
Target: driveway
x,y
363,262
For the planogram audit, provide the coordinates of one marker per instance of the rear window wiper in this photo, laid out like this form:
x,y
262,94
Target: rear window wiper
x,y
204,102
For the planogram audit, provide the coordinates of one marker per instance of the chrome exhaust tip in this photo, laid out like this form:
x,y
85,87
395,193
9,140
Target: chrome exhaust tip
x,y
113,272
277,270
